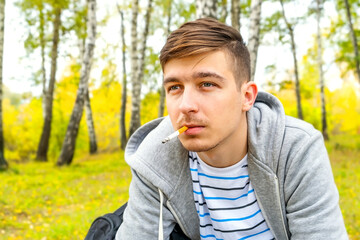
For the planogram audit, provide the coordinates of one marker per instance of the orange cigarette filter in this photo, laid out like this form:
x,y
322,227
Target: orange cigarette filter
x,y
183,129
175,134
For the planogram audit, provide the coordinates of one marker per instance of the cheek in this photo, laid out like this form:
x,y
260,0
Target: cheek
x,y
171,109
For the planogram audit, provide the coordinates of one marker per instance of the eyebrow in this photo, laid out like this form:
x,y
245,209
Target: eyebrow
x,y
196,75
208,74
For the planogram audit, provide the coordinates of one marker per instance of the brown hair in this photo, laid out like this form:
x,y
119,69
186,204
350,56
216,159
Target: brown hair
x,y
206,35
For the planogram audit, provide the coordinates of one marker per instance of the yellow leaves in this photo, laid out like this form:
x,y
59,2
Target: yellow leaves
x,y
345,108
342,106
149,107
105,105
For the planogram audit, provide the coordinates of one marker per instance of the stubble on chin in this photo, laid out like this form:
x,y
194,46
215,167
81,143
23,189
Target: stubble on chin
x,y
197,147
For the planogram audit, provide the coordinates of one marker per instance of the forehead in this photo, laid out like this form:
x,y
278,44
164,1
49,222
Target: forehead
x,y
211,64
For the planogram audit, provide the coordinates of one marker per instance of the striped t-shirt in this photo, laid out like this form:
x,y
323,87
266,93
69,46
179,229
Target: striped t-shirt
x,y
226,202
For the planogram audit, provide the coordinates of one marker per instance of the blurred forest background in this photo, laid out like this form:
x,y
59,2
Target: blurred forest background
x,y
87,75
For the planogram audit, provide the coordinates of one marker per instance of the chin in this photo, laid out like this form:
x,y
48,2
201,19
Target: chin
x,y
197,147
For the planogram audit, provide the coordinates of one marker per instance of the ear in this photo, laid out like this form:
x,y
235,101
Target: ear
x,y
250,92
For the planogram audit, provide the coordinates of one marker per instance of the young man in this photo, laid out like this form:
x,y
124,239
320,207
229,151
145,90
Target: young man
x,y
242,169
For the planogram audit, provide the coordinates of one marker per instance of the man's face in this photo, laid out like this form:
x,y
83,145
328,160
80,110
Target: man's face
x,y
201,93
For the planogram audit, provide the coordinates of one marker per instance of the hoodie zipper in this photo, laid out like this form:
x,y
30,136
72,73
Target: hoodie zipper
x,y
176,217
279,201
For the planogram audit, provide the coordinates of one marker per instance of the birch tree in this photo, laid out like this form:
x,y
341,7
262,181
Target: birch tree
x,y
123,138
223,11
90,123
206,8
35,16
235,14
3,162
81,34
353,38
162,89
42,47
43,146
138,64
136,84
290,28
254,34
68,148
321,72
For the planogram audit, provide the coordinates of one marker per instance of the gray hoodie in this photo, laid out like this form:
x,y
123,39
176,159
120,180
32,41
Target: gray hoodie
x,y
288,168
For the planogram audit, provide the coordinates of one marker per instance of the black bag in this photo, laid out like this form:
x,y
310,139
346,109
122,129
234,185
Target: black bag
x,y
105,227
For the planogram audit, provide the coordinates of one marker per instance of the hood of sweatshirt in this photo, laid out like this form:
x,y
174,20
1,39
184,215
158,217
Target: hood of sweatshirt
x,y
166,166
266,126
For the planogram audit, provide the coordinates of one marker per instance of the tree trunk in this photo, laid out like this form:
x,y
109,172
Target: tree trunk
x,y
87,105
140,73
254,34
41,154
136,84
42,46
90,123
353,39
3,163
321,73
223,11
136,101
235,14
293,50
162,89
206,8
123,138
68,148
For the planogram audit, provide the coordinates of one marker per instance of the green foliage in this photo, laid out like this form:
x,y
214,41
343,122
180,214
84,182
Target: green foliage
x,y
339,35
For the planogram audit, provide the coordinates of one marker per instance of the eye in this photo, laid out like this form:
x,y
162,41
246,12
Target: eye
x,y
173,88
207,84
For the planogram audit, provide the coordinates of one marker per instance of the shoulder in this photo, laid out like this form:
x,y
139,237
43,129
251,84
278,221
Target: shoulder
x,y
158,163
300,136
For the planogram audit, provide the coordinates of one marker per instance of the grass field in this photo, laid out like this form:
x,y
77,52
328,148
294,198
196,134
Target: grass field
x,y
41,201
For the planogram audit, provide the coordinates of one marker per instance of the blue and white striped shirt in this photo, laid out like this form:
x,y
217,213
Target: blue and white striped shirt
x,y
226,202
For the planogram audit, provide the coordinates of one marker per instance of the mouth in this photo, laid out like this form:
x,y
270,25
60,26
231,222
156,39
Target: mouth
x,y
193,129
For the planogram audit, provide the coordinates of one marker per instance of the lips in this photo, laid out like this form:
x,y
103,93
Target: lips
x,y
193,129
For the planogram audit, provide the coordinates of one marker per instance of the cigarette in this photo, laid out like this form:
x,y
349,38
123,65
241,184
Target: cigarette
x,y
175,134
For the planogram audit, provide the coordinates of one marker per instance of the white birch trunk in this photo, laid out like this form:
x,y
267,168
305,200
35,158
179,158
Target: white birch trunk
x,y
123,138
235,14
3,163
136,84
90,123
162,89
68,148
43,146
136,97
42,46
223,11
321,72
254,34
206,8
353,39
293,50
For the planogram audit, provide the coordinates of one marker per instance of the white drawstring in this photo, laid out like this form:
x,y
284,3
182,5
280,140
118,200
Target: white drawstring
x,y
161,230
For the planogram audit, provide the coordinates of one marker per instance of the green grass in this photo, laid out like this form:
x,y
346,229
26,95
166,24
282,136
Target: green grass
x,y
344,153
41,201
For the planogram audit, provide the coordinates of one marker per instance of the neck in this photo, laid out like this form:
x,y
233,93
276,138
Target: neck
x,y
228,152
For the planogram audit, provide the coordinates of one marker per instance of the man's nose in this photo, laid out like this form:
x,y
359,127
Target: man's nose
x,y
188,102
